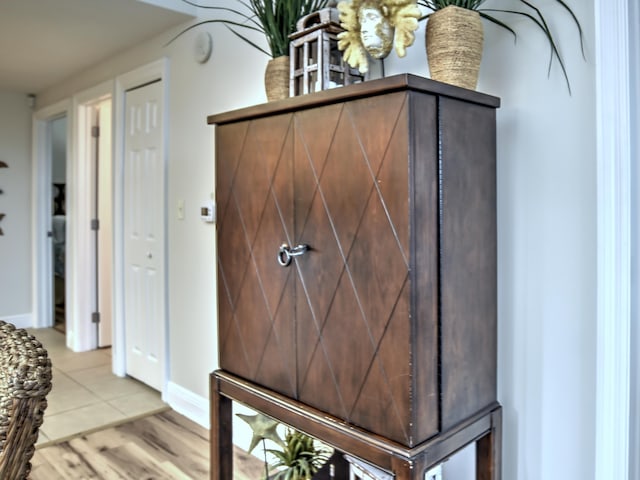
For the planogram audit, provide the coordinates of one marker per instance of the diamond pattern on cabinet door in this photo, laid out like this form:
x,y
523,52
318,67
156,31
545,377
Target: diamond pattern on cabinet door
x,y
345,184
392,176
230,141
320,271
354,277
232,263
276,369
387,388
250,274
315,130
377,268
375,132
266,142
232,354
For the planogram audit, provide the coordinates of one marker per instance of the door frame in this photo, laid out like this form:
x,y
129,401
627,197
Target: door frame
x,y
79,273
102,116
81,332
42,266
151,72
616,376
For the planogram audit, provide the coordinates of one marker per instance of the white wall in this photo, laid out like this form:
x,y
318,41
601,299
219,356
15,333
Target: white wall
x,y
546,243
231,79
15,202
546,221
547,254
634,403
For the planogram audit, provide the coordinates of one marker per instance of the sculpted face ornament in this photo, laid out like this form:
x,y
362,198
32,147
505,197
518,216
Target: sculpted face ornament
x,y
374,27
376,32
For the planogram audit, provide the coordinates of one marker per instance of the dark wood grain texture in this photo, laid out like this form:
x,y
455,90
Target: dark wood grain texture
x,y
402,82
221,462
484,426
468,259
387,323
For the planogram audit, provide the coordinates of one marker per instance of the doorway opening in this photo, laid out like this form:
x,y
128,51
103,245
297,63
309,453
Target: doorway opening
x,y
45,122
95,245
58,151
73,208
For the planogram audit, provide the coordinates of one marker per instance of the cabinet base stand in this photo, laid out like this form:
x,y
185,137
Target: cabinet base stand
x,y
484,429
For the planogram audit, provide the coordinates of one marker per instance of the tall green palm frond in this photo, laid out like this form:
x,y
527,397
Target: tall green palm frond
x,y
530,12
275,19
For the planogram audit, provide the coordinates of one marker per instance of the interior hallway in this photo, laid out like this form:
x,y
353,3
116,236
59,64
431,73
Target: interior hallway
x,y
86,396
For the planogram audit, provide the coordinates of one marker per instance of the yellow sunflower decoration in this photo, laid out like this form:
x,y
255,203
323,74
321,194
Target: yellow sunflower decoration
x,y
375,27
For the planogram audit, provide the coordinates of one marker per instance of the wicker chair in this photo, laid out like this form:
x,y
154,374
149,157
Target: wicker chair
x,y
25,381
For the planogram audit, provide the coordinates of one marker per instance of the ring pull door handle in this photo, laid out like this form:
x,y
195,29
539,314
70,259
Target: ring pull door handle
x,y
284,257
285,253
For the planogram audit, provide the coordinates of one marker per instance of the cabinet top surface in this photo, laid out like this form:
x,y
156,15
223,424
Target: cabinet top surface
x,y
350,92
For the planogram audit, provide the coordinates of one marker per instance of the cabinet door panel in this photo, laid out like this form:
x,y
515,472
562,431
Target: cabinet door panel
x,y
257,322
356,274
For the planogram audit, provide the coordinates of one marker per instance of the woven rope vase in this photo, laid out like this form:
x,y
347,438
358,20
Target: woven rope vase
x,y
454,46
276,78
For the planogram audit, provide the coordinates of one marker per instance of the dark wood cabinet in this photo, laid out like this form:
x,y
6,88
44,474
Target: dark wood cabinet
x,y
379,336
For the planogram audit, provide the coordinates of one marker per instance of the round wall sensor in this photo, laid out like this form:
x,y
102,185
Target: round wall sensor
x,y
202,47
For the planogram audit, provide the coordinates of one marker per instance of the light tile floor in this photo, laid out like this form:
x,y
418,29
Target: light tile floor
x,y
86,396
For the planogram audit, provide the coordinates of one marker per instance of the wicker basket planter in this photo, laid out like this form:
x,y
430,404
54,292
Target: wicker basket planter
x,y
276,78
454,39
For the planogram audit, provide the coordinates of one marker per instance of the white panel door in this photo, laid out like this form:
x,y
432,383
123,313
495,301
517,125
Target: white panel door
x,y
144,282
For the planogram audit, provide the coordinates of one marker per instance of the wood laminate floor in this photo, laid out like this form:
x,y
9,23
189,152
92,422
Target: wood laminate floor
x,y
164,446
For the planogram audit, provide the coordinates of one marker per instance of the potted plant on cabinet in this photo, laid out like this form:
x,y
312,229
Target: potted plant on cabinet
x,y
300,457
276,20
454,36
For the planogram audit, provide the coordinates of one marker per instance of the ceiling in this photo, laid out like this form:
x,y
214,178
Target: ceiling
x,y
43,42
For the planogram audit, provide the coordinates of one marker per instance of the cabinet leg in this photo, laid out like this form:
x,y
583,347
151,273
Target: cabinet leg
x,y
488,450
221,454
408,470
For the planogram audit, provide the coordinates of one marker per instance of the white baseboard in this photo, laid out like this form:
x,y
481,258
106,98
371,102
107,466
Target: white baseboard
x,y
187,403
20,321
196,409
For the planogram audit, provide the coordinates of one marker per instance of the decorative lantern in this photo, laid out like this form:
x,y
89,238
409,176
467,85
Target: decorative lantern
x,y
316,62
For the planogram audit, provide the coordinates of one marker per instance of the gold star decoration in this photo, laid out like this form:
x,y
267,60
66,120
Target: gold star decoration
x,y
263,428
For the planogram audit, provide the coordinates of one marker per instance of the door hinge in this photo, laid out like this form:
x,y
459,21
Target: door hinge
x,y
95,317
95,224
95,132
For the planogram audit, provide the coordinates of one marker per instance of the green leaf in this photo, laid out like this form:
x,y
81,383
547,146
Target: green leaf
x,y
276,19
536,17
547,32
577,22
